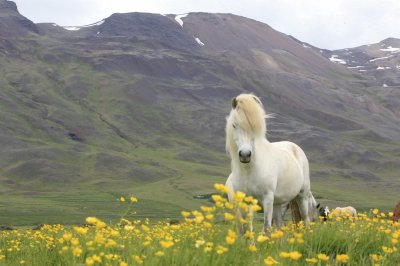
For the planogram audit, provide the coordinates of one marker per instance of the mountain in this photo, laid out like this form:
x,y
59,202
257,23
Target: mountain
x,y
12,24
135,104
380,60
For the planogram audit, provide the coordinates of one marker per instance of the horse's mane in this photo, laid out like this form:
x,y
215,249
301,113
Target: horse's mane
x,y
248,113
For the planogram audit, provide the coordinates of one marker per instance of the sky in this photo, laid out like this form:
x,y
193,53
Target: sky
x,y
327,24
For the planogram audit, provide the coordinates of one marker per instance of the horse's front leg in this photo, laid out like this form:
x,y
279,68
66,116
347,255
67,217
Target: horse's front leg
x,y
268,205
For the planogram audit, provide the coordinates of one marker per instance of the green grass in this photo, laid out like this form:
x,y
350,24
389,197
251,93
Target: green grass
x,y
205,237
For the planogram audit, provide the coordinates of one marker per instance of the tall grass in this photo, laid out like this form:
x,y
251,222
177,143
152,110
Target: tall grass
x,y
208,236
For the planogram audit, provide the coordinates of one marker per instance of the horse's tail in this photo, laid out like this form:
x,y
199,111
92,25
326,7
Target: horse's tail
x,y
294,207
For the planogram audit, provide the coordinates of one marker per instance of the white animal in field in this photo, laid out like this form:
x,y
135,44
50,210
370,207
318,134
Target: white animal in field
x,y
272,172
344,211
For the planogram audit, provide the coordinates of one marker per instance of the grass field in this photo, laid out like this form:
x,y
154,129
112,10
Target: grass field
x,y
206,236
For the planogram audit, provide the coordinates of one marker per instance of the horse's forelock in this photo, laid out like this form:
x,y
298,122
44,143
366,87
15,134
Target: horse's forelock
x,y
249,114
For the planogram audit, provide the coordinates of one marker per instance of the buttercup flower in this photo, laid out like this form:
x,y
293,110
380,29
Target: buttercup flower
x,y
342,258
323,257
269,261
221,188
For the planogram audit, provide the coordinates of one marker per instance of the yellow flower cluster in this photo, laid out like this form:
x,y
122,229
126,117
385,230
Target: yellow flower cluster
x,y
215,234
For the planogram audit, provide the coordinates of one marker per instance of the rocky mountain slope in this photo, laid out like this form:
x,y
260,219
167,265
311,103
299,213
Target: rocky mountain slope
x,y
380,60
136,104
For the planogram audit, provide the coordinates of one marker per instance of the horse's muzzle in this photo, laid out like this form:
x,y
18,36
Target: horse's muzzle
x,y
245,156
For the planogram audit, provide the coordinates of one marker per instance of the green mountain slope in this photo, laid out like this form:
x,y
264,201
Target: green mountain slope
x,y
135,106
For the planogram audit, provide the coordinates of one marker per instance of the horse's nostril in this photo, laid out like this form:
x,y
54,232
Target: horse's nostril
x,y
244,153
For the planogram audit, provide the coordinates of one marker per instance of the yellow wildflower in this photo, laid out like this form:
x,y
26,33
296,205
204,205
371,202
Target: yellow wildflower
x,y
311,260
342,258
244,206
221,249
199,219
389,250
159,253
375,211
99,238
207,225
67,236
248,199
221,188
375,257
249,234
101,224
166,244
122,199
239,196
208,247
185,214
269,261
256,208
137,259
295,255
133,199
110,243
284,255
77,251
277,234
229,205
231,237
96,258
81,230
145,228
207,209
123,263
323,257
74,241
210,217
252,248
228,217
89,261
262,238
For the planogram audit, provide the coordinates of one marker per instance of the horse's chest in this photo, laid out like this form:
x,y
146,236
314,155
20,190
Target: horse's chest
x,y
252,187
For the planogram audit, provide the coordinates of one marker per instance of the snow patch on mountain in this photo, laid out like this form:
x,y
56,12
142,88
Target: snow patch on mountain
x,y
178,18
75,28
334,58
391,49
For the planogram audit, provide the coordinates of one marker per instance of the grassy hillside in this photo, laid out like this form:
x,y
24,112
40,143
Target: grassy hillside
x,y
85,120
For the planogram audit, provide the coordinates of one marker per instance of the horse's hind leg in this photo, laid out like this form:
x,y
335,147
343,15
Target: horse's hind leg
x,y
278,216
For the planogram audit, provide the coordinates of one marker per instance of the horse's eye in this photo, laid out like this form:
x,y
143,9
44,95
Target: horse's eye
x,y
234,126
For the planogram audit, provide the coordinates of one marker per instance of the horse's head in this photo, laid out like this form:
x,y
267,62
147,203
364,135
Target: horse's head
x,y
245,123
324,213
313,208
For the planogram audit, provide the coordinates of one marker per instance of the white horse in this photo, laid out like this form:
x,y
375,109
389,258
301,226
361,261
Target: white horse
x,y
313,210
344,211
273,173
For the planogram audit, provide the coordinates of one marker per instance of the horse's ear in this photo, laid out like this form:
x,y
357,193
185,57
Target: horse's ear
x,y
257,100
234,102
